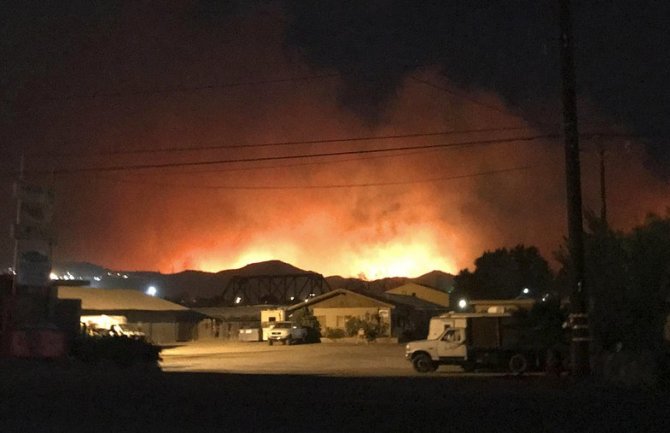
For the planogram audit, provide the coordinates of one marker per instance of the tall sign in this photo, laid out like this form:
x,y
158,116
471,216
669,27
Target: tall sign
x,y
33,233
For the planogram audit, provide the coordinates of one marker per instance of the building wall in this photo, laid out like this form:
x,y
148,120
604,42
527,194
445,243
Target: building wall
x,y
336,317
426,293
158,332
159,326
228,330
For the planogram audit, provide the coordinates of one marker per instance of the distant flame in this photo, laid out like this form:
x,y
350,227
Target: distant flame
x,y
400,260
404,256
413,254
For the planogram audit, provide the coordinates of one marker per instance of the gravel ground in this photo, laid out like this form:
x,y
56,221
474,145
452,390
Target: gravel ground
x,y
62,397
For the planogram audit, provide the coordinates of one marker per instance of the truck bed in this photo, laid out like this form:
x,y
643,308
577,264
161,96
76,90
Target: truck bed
x,y
493,332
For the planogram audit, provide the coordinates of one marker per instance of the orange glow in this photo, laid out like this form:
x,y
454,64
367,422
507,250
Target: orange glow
x,y
396,259
212,261
400,260
411,254
386,223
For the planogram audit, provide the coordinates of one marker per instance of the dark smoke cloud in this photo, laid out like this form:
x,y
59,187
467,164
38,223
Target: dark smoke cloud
x,y
510,48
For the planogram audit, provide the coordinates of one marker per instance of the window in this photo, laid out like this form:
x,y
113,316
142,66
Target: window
x,y
452,336
342,321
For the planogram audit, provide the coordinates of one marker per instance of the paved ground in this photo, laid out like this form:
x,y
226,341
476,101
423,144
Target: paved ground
x,y
340,359
329,359
337,395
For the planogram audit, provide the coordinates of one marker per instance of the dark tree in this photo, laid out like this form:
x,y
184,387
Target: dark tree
x,y
628,279
504,274
305,318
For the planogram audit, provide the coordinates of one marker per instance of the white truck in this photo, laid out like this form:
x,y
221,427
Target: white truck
x,y
476,340
286,333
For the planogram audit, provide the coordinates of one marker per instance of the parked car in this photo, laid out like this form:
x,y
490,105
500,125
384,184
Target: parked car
x,y
286,333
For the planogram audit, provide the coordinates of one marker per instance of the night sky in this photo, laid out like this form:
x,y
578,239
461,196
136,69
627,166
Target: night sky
x,y
177,134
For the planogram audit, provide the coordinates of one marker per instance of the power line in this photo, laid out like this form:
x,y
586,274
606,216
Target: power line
x,y
299,156
284,143
304,164
371,154
331,186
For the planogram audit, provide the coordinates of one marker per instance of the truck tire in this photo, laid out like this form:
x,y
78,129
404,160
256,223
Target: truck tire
x,y
423,364
288,341
518,364
270,342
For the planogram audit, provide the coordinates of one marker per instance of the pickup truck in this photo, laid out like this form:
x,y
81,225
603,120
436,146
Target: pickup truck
x,y
472,340
286,333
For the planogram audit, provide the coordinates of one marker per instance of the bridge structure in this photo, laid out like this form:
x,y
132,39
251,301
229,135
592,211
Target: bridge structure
x,y
279,289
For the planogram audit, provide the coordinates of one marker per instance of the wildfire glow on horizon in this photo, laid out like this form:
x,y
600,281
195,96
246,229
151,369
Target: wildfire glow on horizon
x,y
359,217
236,174
369,262
387,220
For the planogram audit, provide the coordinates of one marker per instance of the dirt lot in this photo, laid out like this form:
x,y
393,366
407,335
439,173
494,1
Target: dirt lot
x,y
347,389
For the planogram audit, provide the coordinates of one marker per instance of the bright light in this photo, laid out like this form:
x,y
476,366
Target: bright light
x,y
462,304
526,290
53,276
151,291
238,300
97,278
400,260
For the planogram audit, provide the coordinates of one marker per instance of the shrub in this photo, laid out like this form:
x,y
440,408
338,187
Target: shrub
x,y
372,325
335,333
122,351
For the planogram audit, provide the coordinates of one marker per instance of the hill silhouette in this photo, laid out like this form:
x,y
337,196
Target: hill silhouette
x,y
191,287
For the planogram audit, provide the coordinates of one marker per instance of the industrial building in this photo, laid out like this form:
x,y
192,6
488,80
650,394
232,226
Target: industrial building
x,y
160,320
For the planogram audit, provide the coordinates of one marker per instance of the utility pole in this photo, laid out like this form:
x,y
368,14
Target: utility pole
x,y
17,223
579,319
603,186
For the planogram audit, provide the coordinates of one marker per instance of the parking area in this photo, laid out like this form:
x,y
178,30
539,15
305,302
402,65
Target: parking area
x,y
328,387
325,359
338,359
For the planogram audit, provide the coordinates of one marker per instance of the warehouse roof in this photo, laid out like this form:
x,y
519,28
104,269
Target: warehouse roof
x,y
117,299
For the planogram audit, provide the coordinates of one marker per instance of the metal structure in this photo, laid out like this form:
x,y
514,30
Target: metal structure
x,y
283,289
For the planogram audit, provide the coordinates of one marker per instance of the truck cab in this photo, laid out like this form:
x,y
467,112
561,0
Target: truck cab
x,y
448,348
451,344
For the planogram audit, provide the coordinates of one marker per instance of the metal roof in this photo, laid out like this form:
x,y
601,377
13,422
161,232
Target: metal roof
x,y
117,299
